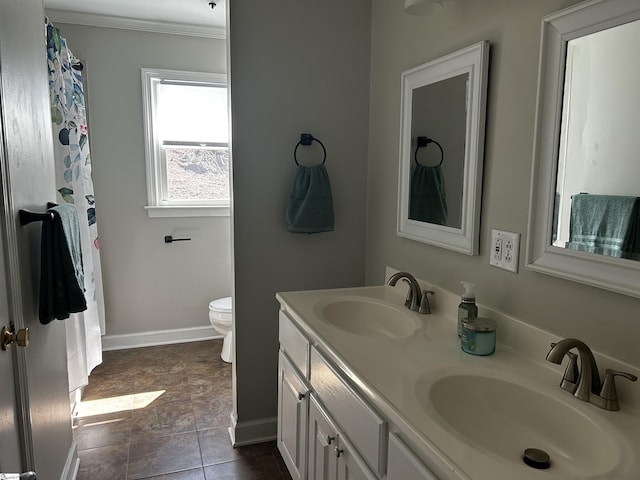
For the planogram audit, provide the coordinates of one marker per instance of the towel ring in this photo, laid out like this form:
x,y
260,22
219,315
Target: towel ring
x,y
423,142
308,139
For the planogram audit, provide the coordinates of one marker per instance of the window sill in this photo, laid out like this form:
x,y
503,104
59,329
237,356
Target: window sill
x,y
186,211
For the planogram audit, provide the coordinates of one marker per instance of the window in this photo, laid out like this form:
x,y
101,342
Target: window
x,y
187,143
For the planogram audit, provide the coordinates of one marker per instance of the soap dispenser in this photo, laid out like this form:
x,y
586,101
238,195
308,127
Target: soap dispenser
x,y
467,308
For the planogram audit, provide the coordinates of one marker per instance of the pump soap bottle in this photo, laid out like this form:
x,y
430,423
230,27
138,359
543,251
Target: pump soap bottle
x,y
467,308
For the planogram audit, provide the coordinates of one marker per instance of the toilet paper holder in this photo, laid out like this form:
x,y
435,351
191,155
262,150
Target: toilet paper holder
x,y
170,239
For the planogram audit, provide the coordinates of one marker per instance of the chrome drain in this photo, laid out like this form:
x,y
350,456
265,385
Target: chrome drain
x,y
536,458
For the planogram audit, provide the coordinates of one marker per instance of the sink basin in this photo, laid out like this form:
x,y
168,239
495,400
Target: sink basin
x,y
368,317
505,417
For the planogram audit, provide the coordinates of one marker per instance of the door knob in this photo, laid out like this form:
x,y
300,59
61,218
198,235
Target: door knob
x,y
10,335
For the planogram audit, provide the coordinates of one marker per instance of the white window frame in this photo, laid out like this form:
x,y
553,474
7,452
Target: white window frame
x,y
157,205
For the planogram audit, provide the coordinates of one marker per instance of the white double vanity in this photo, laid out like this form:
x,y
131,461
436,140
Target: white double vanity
x,y
368,389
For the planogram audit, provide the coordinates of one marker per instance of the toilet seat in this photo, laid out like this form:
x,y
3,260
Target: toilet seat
x,y
222,305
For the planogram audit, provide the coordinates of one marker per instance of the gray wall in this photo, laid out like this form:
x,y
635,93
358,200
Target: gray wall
x,y
296,67
606,321
148,285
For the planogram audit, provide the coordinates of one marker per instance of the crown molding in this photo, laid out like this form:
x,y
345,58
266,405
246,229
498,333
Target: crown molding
x,y
108,21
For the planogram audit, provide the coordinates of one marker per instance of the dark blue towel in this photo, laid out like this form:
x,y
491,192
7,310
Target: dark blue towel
x,y
310,208
61,273
428,199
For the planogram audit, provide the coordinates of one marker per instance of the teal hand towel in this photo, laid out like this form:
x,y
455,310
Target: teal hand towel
x,y
310,208
605,224
631,247
428,199
61,271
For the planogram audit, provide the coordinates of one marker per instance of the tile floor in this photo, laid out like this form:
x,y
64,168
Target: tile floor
x,y
161,413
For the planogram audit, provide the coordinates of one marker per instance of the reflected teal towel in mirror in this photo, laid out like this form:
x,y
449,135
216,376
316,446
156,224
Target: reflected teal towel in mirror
x,y
428,199
605,224
310,208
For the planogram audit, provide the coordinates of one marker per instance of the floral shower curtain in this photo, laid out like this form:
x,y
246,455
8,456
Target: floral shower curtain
x,y
74,185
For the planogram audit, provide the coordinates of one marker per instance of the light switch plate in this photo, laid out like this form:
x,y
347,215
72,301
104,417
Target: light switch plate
x,y
505,248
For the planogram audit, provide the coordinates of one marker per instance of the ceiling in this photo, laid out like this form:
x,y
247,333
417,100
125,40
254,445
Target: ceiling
x,y
196,15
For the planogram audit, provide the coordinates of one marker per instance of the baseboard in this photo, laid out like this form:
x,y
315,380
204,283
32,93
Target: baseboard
x,y
254,431
72,465
158,337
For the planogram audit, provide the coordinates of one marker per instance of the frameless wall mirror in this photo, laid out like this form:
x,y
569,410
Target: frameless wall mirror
x,y
585,204
441,149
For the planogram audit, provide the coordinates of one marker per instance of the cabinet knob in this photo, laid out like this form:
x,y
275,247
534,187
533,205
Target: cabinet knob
x,y
338,451
330,439
301,395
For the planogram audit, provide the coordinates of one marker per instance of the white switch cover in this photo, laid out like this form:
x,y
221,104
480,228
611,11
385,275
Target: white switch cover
x,y
505,247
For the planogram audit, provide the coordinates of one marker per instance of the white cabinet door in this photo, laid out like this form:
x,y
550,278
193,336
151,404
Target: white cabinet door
x,y
293,408
323,439
331,456
403,464
350,465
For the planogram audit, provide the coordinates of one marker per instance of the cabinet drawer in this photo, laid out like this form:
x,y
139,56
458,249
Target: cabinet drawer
x,y
294,344
361,424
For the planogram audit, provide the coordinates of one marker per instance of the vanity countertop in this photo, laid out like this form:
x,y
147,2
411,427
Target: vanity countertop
x,y
395,376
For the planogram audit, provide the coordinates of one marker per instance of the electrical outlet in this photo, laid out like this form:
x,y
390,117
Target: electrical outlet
x,y
497,249
505,250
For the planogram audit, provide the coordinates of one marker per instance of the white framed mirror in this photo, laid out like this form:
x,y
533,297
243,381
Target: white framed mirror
x,y
585,195
441,149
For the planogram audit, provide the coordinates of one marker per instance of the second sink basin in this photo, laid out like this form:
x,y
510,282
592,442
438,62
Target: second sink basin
x,y
505,418
368,317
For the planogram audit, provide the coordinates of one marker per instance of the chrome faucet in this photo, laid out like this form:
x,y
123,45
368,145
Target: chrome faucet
x,y
587,386
417,299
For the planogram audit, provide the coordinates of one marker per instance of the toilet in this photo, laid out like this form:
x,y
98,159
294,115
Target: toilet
x,y
221,318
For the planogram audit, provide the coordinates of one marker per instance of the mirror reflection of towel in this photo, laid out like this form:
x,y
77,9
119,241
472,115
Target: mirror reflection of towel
x,y
428,199
61,272
310,208
605,224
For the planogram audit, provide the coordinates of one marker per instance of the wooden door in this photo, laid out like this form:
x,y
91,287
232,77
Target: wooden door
x,y
40,384
10,453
